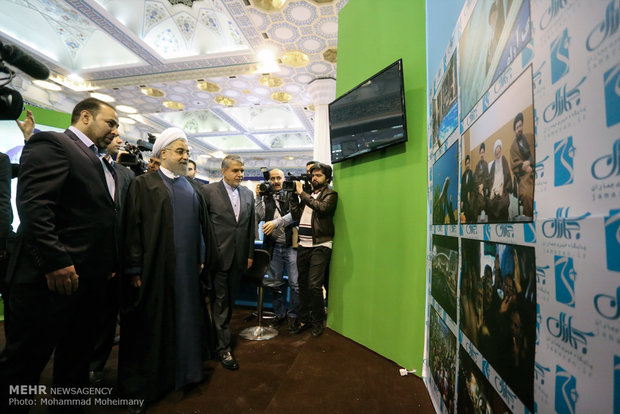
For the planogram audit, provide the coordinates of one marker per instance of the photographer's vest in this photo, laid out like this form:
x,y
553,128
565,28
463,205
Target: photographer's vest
x,y
270,211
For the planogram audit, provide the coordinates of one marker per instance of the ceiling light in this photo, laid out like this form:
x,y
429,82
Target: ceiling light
x,y
73,84
270,81
127,109
47,85
331,55
127,121
281,97
154,92
225,100
295,58
218,154
173,105
75,77
102,97
266,61
290,158
208,86
269,5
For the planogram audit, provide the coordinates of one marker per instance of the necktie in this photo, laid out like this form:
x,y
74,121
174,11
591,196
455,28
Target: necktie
x,y
109,167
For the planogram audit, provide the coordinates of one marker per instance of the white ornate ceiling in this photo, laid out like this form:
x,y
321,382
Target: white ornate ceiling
x,y
201,55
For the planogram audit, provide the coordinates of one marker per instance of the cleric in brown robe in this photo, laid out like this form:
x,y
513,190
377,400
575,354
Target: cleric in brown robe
x,y
523,164
164,325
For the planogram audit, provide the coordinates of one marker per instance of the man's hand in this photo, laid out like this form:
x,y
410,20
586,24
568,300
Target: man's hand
x,y
268,227
299,188
63,281
527,167
27,125
250,261
135,281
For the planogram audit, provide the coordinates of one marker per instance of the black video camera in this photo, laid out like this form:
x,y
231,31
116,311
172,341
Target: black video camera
x,y
11,101
133,157
266,188
289,184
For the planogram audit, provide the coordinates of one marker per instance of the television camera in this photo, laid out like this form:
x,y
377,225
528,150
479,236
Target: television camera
x,y
11,101
132,157
289,184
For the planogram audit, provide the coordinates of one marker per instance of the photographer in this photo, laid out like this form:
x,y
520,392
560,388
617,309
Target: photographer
x,y
315,213
278,228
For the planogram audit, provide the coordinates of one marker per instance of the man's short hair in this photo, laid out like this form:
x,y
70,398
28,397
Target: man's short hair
x,y
518,118
229,159
311,162
482,148
92,105
192,162
467,158
325,169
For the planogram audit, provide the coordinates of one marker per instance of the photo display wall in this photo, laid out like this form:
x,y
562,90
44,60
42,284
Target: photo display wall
x,y
523,273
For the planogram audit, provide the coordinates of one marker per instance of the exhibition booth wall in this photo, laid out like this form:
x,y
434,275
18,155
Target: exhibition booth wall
x,y
377,288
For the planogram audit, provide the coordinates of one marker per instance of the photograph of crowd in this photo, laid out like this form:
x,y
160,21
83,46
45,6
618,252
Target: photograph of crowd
x,y
495,34
444,271
445,187
498,309
476,395
442,358
499,163
445,106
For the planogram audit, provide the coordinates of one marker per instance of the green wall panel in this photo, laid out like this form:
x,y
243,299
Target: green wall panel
x,y
377,283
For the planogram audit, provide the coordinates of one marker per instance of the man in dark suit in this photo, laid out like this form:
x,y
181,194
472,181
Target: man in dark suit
x,y
104,337
231,212
65,251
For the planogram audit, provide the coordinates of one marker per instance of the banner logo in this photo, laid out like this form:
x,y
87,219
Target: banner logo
x,y
551,12
565,100
607,165
565,391
611,80
471,350
563,154
608,27
540,167
529,232
486,229
541,274
607,305
504,230
503,390
485,368
562,328
565,276
563,227
559,56
612,240
540,371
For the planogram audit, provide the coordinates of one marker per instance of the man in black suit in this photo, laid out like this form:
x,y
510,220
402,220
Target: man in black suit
x,y
65,251
231,212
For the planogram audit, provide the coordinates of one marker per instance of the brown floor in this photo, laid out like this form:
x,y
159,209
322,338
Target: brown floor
x,y
290,374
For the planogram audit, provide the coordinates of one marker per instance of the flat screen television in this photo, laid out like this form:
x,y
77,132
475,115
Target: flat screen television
x,y
370,116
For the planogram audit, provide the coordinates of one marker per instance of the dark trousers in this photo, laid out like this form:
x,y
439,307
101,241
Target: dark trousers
x,y
225,288
312,263
43,322
106,330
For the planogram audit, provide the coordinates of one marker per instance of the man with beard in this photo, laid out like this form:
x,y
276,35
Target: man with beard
x,y
500,185
315,214
480,190
467,188
167,242
232,214
522,164
65,251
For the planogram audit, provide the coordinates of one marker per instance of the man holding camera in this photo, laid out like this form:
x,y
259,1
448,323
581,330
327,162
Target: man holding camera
x,y
278,228
315,213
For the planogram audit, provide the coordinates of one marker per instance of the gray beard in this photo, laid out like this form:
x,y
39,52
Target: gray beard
x,y
179,169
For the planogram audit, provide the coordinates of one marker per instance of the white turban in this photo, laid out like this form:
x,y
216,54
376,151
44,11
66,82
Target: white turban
x,y
498,143
167,137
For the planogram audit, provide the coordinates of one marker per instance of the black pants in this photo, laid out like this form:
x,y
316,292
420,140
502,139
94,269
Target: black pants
x,y
312,263
106,331
43,322
225,288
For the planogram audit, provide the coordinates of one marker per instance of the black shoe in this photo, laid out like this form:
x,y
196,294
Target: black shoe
x,y
277,321
300,327
228,361
292,323
95,377
317,329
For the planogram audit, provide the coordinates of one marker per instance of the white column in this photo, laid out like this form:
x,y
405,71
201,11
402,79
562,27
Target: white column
x,y
322,91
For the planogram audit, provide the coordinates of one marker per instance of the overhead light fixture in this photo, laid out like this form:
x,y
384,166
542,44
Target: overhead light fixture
x,y
267,61
290,158
102,97
224,100
295,58
73,82
47,85
270,81
218,154
154,92
281,97
269,5
127,109
208,86
173,105
124,120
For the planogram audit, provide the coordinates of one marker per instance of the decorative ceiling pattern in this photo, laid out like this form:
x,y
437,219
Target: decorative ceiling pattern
x,y
201,56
